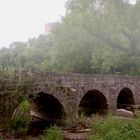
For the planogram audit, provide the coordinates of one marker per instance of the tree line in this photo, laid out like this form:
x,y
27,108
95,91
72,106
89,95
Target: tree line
x,y
94,36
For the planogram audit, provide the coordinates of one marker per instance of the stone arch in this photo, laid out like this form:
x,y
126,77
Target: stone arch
x,y
125,99
93,102
46,110
52,90
48,106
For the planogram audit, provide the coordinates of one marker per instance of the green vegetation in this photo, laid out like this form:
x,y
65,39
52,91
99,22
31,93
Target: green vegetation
x,y
92,37
53,133
116,129
10,101
99,38
74,120
108,128
20,120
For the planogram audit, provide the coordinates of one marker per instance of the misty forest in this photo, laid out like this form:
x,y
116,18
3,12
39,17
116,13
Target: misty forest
x,y
100,37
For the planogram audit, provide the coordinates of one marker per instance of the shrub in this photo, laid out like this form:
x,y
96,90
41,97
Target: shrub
x,y
20,120
74,119
52,133
115,129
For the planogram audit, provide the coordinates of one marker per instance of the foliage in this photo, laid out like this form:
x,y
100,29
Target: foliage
x,y
115,129
93,37
16,84
20,120
73,120
53,133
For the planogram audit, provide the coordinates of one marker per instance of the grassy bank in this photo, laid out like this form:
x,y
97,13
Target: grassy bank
x,y
115,129
108,128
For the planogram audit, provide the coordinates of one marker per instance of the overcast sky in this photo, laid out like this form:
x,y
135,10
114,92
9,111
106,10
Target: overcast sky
x,y
24,19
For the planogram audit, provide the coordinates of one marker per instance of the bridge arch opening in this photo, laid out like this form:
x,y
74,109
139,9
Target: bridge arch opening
x,y
93,102
46,110
125,99
48,106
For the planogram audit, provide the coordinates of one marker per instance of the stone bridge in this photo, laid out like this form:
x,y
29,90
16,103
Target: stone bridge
x,y
58,94
66,93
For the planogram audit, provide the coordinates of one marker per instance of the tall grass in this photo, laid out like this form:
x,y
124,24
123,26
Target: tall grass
x,y
115,129
20,121
52,133
74,119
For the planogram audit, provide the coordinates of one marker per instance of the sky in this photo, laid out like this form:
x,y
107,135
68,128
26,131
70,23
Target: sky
x,y
24,19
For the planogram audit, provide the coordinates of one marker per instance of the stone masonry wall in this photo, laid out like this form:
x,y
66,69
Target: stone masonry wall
x,y
68,88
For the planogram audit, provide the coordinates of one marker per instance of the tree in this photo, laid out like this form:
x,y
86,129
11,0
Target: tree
x,y
101,39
